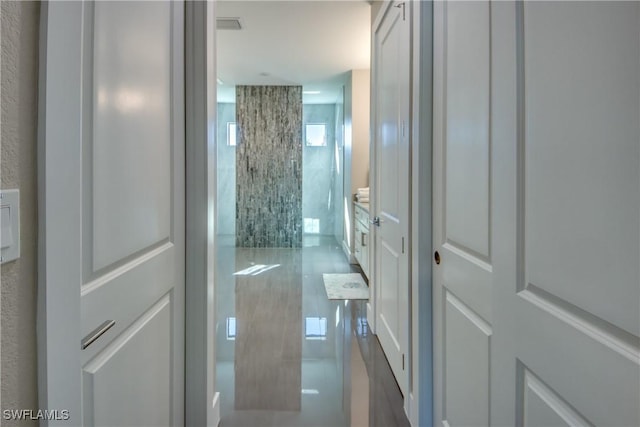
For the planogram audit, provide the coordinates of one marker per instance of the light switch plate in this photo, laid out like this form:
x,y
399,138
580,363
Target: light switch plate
x,y
9,225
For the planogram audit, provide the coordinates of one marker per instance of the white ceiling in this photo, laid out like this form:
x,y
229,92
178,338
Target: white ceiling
x,y
296,42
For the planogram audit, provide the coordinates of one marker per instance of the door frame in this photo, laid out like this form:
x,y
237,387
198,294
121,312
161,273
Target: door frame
x,y
200,96
58,297
418,405
202,402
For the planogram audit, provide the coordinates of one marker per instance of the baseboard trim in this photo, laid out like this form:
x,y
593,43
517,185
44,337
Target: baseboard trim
x,y
347,252
411,410
371,318
215,411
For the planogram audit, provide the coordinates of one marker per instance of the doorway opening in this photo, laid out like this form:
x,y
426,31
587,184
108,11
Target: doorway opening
x,y
285,353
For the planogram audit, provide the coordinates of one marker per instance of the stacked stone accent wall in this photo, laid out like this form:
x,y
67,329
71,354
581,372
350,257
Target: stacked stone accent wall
x,y
269,166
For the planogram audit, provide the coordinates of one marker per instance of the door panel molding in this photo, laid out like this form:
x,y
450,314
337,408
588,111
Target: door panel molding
x,y
548,209
469,313
605,333
138,347
128,178
466,401
533,391
109,351
468,278
466,133
468,255
131,265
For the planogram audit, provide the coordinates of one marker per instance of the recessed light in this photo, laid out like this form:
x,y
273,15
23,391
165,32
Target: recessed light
x,y
311,92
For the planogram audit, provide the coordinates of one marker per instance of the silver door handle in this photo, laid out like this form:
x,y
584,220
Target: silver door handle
x,y
376,221
97,333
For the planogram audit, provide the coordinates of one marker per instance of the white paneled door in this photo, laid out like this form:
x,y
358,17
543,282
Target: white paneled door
x,y
111,332
462,172
537,213
391,200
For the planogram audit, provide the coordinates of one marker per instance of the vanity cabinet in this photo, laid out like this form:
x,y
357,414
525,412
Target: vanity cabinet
x,y
362,239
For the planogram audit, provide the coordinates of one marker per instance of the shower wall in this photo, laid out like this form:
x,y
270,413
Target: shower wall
x,y
338,171
318,173
269,166
226,171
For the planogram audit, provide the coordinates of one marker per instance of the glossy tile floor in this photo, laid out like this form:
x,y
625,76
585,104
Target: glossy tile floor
x,y
286,355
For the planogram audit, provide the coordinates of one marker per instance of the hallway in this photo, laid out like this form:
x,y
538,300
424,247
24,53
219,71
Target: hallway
x,y
288,356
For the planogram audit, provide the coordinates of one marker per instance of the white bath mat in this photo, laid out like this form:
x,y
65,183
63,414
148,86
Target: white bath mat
x,y
345,286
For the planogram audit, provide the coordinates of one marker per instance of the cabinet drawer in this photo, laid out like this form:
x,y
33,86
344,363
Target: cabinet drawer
x,y
362,216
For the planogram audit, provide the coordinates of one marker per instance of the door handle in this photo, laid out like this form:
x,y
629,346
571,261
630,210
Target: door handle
x,y
97,333
376,221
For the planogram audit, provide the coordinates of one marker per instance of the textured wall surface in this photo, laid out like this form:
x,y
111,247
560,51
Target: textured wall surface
x,y
269,166
20,22
226,170
318,169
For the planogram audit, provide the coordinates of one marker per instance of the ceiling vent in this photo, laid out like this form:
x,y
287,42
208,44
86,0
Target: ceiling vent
x,y
228,24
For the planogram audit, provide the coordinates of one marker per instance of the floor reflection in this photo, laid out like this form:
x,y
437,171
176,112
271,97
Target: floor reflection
x,y
286,355
268,352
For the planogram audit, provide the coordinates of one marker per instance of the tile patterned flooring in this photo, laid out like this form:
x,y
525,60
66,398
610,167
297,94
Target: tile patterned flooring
x,y
286,355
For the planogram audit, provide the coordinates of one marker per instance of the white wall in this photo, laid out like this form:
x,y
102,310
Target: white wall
x,y
360,107
20,22
338,172
356,145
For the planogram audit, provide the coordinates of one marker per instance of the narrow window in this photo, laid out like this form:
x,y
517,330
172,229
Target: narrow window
x,y
315,328
316,134
312,225
231,133
231,328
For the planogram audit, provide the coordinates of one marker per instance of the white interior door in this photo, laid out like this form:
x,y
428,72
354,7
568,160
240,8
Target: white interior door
x,y
537,213
112,168
391,202
462,213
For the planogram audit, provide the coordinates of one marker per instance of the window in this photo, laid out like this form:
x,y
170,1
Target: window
x,y
312,225
315,328
231,328
231,133
316,134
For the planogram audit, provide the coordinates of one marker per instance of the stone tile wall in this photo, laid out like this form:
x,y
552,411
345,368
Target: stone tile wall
x,y
269,166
